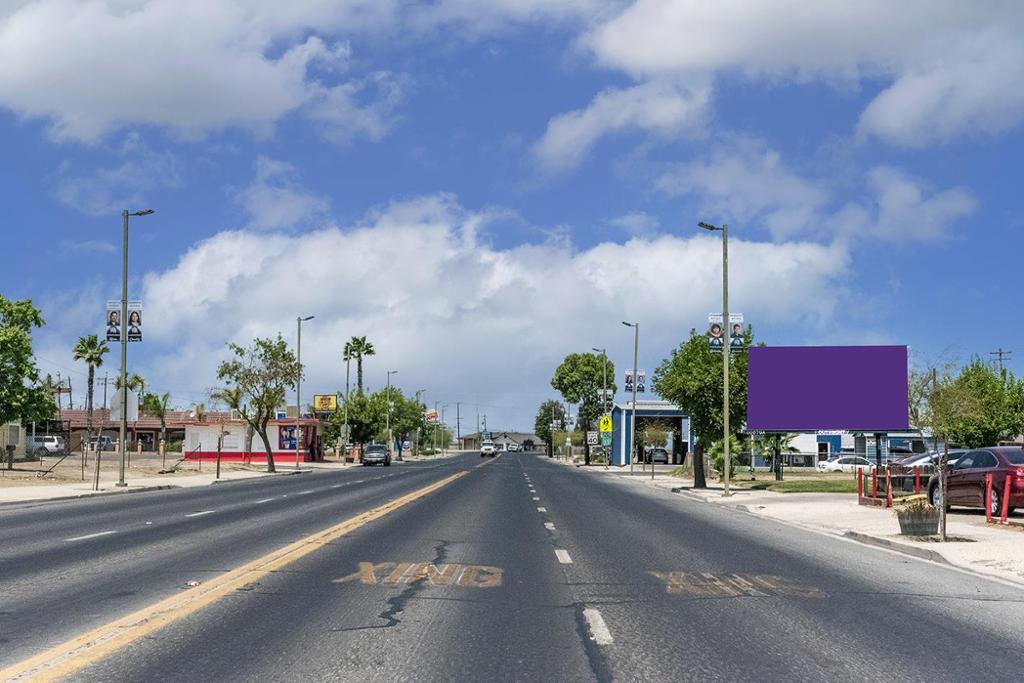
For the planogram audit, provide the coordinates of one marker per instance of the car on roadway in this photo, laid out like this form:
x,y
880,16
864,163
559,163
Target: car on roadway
x,y
487,449
377,454
845,463
965,484
513,447
44,444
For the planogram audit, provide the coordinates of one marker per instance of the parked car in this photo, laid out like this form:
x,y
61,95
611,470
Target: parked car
x,y
44,444
904,472
845,463
966,481
513,447
654,455
377,454
487,449
102,443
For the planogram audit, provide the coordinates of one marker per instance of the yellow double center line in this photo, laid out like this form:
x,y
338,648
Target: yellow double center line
x,y
88,648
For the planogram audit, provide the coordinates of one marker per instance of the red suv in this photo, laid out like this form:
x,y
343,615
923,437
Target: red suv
x,y
966,484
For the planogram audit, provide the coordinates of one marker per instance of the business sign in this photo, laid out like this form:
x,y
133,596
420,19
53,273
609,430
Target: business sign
x,y
325,403
114,326
430,416
605,425
592,438
286,438
641,381
812,388
717,332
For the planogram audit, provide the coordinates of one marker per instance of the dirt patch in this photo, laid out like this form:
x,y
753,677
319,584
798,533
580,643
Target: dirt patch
x,y
52,470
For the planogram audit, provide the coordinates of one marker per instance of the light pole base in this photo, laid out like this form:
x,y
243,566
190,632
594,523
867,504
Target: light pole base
x,y
121,483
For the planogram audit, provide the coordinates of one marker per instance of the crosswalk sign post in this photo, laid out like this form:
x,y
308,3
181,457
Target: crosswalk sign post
x,y
605,424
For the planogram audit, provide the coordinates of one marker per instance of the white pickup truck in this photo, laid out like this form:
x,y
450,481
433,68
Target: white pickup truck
x,y
487,449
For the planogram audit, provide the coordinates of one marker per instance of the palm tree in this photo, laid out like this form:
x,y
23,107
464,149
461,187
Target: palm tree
x,y
135,382
356,348
90,350
157,406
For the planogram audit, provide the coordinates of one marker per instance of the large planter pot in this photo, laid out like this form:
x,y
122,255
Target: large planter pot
x,y
919,522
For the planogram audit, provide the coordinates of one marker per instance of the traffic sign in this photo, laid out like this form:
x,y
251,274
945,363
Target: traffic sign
x,y
605,425
606,438
591,438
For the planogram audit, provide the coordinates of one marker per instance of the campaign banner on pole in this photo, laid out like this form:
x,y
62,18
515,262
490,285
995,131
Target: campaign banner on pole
x,y
134,321
718,332
640,376
716,335
113,321
736,340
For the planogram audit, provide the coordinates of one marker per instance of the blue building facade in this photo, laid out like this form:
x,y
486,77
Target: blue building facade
x,y
679,443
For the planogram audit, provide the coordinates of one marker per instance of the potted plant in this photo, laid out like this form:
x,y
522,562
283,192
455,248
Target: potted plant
x,y
917,517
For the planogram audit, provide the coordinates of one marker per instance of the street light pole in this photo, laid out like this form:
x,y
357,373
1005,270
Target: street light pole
x,y
123,442
636,349
422,408
298,387
388,420
726,352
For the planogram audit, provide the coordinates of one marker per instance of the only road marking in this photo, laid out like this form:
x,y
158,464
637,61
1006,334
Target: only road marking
x,y
394,573
703,585
88,536
563,556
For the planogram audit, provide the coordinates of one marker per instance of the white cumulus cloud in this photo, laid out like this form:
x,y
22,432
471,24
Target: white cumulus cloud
x,y
456,315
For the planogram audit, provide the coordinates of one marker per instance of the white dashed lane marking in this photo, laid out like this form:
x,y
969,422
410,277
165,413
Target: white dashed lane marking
x,y
536,498
563,556
200,513
599,632
549,526
542,509
265,500
88,536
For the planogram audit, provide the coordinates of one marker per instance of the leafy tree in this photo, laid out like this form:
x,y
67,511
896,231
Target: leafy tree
x,y
157,406
716,455
23,396
355,349
767,444
259,377
580,379
550,411
995,406
365,417
691,377
90,350
134,381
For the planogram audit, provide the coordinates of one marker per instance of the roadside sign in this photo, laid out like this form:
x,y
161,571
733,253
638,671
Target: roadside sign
x,y
133,406
606,438
605,425
325,403
568,441
591,438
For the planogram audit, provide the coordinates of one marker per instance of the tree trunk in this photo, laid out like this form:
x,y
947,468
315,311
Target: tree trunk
x,y
270,453
699,482
88,408
359,373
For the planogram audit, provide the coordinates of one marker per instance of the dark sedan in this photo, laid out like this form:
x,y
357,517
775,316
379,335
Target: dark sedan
x,y
966,484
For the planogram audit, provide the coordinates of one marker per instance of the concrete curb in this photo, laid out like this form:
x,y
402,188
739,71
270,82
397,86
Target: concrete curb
x,y
98,494
920,553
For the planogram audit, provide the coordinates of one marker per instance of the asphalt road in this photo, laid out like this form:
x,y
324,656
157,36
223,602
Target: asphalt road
x,y
519,569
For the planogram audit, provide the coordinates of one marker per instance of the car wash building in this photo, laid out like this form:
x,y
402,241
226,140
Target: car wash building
x,y
663,414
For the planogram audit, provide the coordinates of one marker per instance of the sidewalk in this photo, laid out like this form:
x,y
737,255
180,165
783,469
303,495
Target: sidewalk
x,y
986,549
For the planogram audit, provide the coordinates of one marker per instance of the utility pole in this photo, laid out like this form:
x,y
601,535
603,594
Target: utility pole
x,y
298,387
1001,354
443,439
348,395
433,440
726,352
391,440
416,444
458,423
123,432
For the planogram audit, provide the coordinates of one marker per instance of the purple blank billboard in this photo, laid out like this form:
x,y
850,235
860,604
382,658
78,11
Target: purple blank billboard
x,y
810,388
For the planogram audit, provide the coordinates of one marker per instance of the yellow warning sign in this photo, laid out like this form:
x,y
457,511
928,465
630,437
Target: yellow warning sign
x,y
605,425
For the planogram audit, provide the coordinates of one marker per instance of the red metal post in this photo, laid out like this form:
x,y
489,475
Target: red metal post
x,y
874,483
860,483
917,479
988,497
888,489
1006,499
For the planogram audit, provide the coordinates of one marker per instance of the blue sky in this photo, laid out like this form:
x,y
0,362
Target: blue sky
x,y
483,187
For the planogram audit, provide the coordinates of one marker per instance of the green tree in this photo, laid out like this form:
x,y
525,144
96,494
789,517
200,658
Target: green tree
x,y
355,349
990,406
580,379
23,395
716,455
157,406
366,417
691,377
90,350
258,378
550,412
134,381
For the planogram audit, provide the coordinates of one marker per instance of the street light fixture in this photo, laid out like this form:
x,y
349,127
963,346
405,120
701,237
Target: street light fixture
x,y
123,442
298,387
390,440
632,440
726,351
